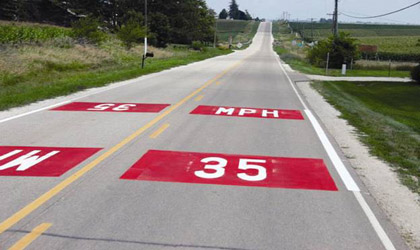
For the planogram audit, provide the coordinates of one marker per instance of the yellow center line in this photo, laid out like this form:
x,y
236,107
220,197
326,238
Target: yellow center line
x,y
30,237
19,215
198,98
218,83
159,131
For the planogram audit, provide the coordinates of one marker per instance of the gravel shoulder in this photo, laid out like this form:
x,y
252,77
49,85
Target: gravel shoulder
x,y
398,202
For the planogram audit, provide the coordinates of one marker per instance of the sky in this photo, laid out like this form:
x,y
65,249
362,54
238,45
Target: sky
x,y
306,9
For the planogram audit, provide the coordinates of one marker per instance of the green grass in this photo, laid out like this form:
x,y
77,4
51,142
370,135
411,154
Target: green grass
x,y
387,116
57,79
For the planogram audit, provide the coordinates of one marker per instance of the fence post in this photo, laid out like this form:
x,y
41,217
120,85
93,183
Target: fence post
x,y
389,70
328,62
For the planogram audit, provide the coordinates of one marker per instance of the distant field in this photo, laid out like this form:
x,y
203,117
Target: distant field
x,y
241,31
395,42
321,30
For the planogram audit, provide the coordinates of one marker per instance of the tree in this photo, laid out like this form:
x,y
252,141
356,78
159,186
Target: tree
x,y
170,21
223,14
159,25
248,15
88,28
342,49
234,10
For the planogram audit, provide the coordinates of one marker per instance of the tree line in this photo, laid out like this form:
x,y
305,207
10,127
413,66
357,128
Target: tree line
x,y
168,21
235,13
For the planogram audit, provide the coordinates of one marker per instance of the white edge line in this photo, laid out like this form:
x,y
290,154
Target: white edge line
x,y
375,223
332,154
341,169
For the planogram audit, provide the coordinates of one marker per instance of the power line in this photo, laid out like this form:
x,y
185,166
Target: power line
x,y
382,18
386,14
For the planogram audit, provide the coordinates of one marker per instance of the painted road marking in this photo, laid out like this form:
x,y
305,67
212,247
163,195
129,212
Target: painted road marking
x,y
22,213
248,112
239,170
198,98
159,131
41,161
30,237
218,83
112,107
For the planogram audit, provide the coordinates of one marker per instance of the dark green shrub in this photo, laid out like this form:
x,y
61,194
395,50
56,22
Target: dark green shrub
x,y
89,29
197,45
415,73
342,49
132,32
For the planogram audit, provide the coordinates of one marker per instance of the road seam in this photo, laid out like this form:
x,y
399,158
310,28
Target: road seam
x,y
341,169
30,237
22,213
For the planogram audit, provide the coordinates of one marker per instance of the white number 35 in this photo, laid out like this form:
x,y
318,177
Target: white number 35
x,y
218,169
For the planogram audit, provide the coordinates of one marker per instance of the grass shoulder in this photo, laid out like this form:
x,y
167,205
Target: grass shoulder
x,y
33,72
387,117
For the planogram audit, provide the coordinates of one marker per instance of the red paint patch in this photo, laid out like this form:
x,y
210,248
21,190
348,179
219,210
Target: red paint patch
x,y
248,112
240,170
41,161
112,107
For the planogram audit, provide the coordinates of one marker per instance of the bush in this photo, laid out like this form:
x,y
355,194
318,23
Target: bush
x,y
415,73
89,28
342,50
131,33
197,45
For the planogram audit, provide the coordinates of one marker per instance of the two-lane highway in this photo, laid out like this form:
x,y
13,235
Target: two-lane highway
x,y
220,154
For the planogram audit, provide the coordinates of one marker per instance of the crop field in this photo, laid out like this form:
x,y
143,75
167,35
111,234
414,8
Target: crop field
x,y
321,30
28,33
241,31
395,42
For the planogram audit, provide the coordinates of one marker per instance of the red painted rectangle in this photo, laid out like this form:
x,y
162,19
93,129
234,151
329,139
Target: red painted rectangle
x,y
240,170
248,112
41,161
112,107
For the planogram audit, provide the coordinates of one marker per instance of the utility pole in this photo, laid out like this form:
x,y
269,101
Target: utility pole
x,y
145,36
215,33
312,29
335,19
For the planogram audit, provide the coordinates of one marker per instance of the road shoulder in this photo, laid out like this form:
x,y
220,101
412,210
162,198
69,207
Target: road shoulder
x,y
400,205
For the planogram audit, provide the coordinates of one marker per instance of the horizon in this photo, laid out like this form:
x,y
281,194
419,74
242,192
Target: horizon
x,y
273,10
